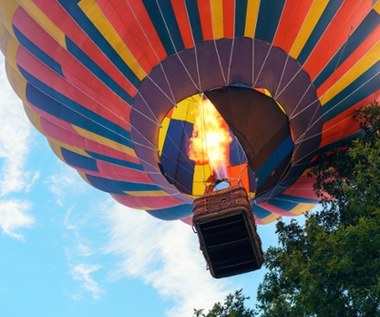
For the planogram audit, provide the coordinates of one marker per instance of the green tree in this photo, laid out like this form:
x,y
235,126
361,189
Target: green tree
x,y
330,266
233,306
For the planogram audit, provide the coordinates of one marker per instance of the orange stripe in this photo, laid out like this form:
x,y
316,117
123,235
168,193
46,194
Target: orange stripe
x,y
205,17
350,15
360,51
291,22
344,124
182,18
228,18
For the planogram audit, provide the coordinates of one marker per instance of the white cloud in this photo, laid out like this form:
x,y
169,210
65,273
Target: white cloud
x,y
66,184
165,255
13,216
83,274
15,137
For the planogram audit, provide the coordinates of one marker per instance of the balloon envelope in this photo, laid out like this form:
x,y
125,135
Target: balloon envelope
x,y
110,84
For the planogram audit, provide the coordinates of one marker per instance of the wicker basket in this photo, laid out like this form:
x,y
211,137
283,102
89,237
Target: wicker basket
x,y
227,233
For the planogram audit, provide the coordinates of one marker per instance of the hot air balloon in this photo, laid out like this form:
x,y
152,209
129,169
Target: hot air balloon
x,y
112,84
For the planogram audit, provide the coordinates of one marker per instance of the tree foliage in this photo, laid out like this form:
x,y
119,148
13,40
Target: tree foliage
x,y
330,266
233,306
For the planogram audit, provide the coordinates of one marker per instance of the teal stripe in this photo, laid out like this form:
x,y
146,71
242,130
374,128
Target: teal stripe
x,y
118,187
79,161
97,71
300,200
321,26
195,20
260,212
357,38
173,213
71,6
115,161
240,17
353,93
60,106
268,19
37,52
163,18
276,158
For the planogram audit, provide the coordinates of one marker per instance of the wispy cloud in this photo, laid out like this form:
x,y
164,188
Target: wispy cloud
x,y
65,183
165,255
15,139
83,274
13,216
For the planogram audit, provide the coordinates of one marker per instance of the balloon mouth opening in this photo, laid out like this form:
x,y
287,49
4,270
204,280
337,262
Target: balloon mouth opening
x,y
195,139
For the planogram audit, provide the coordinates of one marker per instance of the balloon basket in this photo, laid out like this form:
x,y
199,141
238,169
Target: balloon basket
x,y
227,234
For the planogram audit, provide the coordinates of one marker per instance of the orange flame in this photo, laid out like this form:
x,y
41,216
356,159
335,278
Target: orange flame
x,y
210,139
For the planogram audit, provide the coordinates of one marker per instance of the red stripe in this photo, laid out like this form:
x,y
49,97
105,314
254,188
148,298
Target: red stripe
x,y
182,18
344,125
291,22
121,173
155,202
205,17
347,19
73,71
63,132
228,18
302,188
59,17
275,210
141,39
360,51
49,77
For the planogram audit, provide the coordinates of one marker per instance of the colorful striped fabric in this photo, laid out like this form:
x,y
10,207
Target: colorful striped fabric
x,y
110,84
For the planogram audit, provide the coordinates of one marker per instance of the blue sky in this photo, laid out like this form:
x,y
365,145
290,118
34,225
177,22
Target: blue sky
x,y
70,250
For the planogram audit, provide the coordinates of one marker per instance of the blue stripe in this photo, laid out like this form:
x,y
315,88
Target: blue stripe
x,y
295,199
37,52
276,158
79,161
173,213
237,154
119,187
195,21
240,17
343,101
172,40
357,38
320,27
260,212
285,205
115,161
71,6
97,71
269,16
58,105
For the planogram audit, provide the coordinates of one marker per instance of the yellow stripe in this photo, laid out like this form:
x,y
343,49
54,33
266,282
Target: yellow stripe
x,y
272,217
8,46
200,176
307,27
40,18
162,134
251,18
147,193
366,62
302,208
97,17
7,11
376,6
56,149
217,18
105,141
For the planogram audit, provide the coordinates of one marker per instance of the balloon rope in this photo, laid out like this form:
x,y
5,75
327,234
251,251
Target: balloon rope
x,y
281,77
